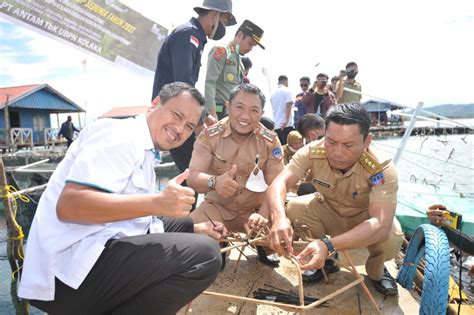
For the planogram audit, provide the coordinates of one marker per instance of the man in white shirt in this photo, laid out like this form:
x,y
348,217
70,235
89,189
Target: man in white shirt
x,y
91,249
282,103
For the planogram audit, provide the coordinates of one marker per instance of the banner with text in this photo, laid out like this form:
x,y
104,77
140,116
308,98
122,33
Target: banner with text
x,y
106,28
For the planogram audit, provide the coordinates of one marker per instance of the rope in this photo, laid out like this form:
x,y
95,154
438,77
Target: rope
x,y
10,192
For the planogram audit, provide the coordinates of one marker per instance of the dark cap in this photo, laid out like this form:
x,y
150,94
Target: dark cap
x,y
222,6
252,30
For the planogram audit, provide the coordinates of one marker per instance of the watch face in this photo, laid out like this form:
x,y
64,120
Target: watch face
x,y
211,182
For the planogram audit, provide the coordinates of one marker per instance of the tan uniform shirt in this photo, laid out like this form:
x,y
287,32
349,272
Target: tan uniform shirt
x,y
215,151
350,97
373,179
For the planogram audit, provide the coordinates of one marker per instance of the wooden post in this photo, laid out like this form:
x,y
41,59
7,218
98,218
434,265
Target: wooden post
x,y
14,235
7,120
79,118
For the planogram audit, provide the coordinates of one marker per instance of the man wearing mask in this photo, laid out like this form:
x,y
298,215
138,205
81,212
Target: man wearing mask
x,y
319,98
179,58
347,80
225,69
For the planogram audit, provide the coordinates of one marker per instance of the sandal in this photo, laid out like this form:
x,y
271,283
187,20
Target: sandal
x,y
387,285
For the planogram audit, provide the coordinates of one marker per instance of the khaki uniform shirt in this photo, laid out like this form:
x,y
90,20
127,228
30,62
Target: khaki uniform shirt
x,y
349,97
215,151
287,154
372,179
224,72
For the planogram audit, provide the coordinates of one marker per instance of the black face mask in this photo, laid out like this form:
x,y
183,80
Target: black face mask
x,y
351,74
220,32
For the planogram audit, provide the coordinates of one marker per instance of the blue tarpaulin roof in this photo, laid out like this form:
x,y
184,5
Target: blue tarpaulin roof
x,y
40,96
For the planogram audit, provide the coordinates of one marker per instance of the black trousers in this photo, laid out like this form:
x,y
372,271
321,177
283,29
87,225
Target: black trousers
x,y
69,141
283,134
146,274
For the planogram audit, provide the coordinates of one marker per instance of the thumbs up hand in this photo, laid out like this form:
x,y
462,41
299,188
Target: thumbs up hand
x,y
226,186
177,200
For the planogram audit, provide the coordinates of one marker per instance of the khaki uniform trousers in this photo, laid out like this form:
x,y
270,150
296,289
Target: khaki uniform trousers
x,y
214,212
321,220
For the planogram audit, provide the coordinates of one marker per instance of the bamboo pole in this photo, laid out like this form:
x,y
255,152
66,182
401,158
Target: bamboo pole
x,y
14,242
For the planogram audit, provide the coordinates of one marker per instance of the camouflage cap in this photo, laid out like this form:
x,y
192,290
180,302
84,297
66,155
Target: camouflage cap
x,y
222,6
252,30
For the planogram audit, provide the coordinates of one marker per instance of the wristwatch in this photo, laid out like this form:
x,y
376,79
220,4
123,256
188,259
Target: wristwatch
x,y
211,182
328,243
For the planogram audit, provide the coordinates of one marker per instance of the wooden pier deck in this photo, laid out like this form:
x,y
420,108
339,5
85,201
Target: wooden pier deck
x,y
251,275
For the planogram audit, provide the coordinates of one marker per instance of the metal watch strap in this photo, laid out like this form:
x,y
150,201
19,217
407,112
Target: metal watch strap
x,y
211,182
328,243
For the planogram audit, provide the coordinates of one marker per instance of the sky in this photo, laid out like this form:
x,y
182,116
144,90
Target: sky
x,y
407,51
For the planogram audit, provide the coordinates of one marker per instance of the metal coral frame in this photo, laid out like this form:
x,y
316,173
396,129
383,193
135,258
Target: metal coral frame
x,y
262,240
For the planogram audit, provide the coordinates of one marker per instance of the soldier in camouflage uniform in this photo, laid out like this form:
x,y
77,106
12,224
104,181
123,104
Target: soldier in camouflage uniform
x,y
224,68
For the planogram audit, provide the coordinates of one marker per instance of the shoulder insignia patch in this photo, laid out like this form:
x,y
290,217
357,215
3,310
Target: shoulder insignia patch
x,y
219,53
267,134
277,152
370,164
194,40
203,138
317,152
377,179
214,130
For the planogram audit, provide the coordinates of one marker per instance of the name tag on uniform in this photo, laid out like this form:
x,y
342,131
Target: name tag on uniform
x,y
219,157
320,182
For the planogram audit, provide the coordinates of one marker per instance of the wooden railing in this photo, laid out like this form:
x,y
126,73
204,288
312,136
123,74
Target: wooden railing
x,y
21,136
51,137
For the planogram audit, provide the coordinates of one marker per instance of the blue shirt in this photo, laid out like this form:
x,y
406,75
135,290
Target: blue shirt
x,y
179,58
300,106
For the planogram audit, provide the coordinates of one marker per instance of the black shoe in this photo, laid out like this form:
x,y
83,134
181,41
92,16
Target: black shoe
x,y
269,261
316,275
224,255
387,285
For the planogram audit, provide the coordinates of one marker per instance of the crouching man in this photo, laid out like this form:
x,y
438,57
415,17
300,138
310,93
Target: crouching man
x,y
233,162
354,204
90,250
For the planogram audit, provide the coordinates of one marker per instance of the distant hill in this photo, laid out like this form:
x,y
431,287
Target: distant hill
x,y
453,110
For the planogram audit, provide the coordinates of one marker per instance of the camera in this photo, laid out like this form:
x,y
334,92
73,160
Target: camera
x,y
452,219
